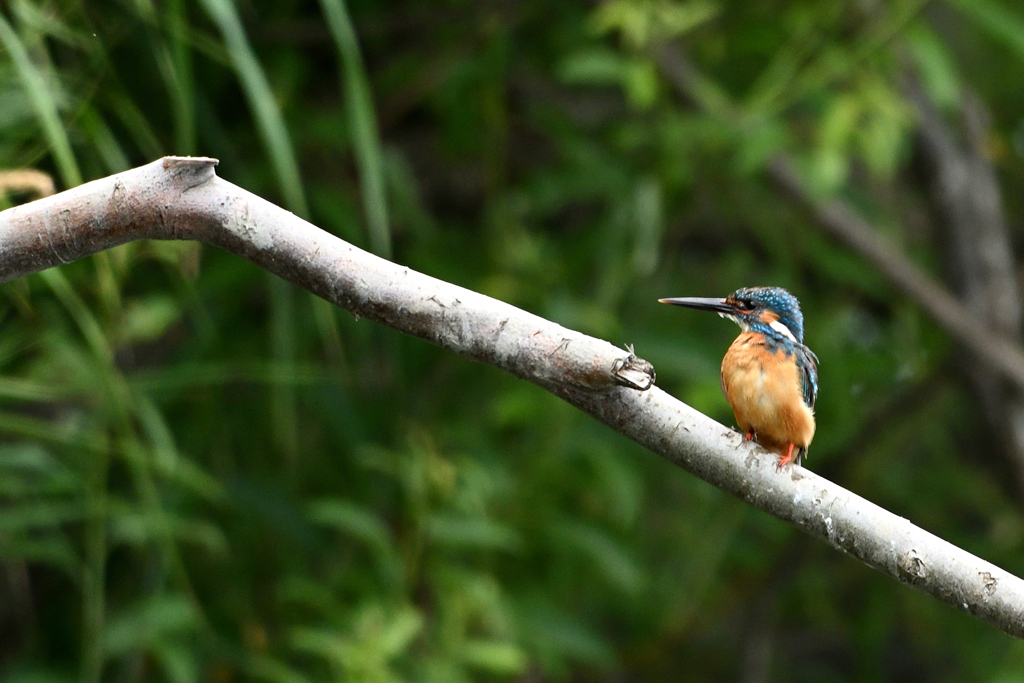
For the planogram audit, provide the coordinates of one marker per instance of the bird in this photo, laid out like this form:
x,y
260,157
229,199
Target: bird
x,y
769,376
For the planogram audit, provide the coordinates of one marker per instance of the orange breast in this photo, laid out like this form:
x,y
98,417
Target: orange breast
x,y
764,390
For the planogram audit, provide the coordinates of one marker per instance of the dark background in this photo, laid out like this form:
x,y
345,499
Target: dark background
x,y
206,474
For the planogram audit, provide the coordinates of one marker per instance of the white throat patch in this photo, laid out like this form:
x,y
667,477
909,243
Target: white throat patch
x,y
743,326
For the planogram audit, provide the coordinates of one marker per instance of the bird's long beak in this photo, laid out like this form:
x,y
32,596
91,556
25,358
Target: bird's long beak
x,y
702,304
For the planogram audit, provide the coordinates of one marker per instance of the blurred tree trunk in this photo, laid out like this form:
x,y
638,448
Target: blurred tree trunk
x,y
967,205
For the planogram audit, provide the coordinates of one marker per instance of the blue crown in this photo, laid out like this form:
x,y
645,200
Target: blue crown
x,y
778,301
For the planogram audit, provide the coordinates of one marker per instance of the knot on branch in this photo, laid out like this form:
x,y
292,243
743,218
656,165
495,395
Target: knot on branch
x,y
192,171
912,568
634,372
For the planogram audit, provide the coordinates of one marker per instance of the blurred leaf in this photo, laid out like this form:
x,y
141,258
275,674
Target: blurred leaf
x,y
760,143
352,519
831,164
636,76
557,635
648,213
641,83
27,468
50,548
31,516
607,555
936,66
140,529
148,623
364,525
468,532
594,67
889,122
994,18
377,638
644,21
166,459
43,102
399,632
146,320
497,658
179,663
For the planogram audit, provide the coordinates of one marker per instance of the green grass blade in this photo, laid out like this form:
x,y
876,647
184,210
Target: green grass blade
x,y
43,103
998,21
363,123
264,107
135,122
272,129
18,389
175,63
284,403
86,321
43,431
175,67
104,141
94,575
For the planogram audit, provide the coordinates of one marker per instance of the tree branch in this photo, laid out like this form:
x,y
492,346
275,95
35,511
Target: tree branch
x,y
182,198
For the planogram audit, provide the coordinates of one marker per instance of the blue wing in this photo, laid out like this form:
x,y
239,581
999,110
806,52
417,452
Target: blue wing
x,y
808,364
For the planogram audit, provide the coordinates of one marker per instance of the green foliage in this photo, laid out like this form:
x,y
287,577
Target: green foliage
x,y
643,22
206,475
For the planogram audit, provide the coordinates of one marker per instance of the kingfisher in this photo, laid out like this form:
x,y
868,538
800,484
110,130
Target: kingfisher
x,y
769,376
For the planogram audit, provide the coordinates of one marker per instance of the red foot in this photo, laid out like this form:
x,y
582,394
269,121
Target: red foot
x,y
786,459
749,436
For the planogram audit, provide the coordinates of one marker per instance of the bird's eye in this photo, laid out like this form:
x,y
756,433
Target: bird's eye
x,y
745,304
